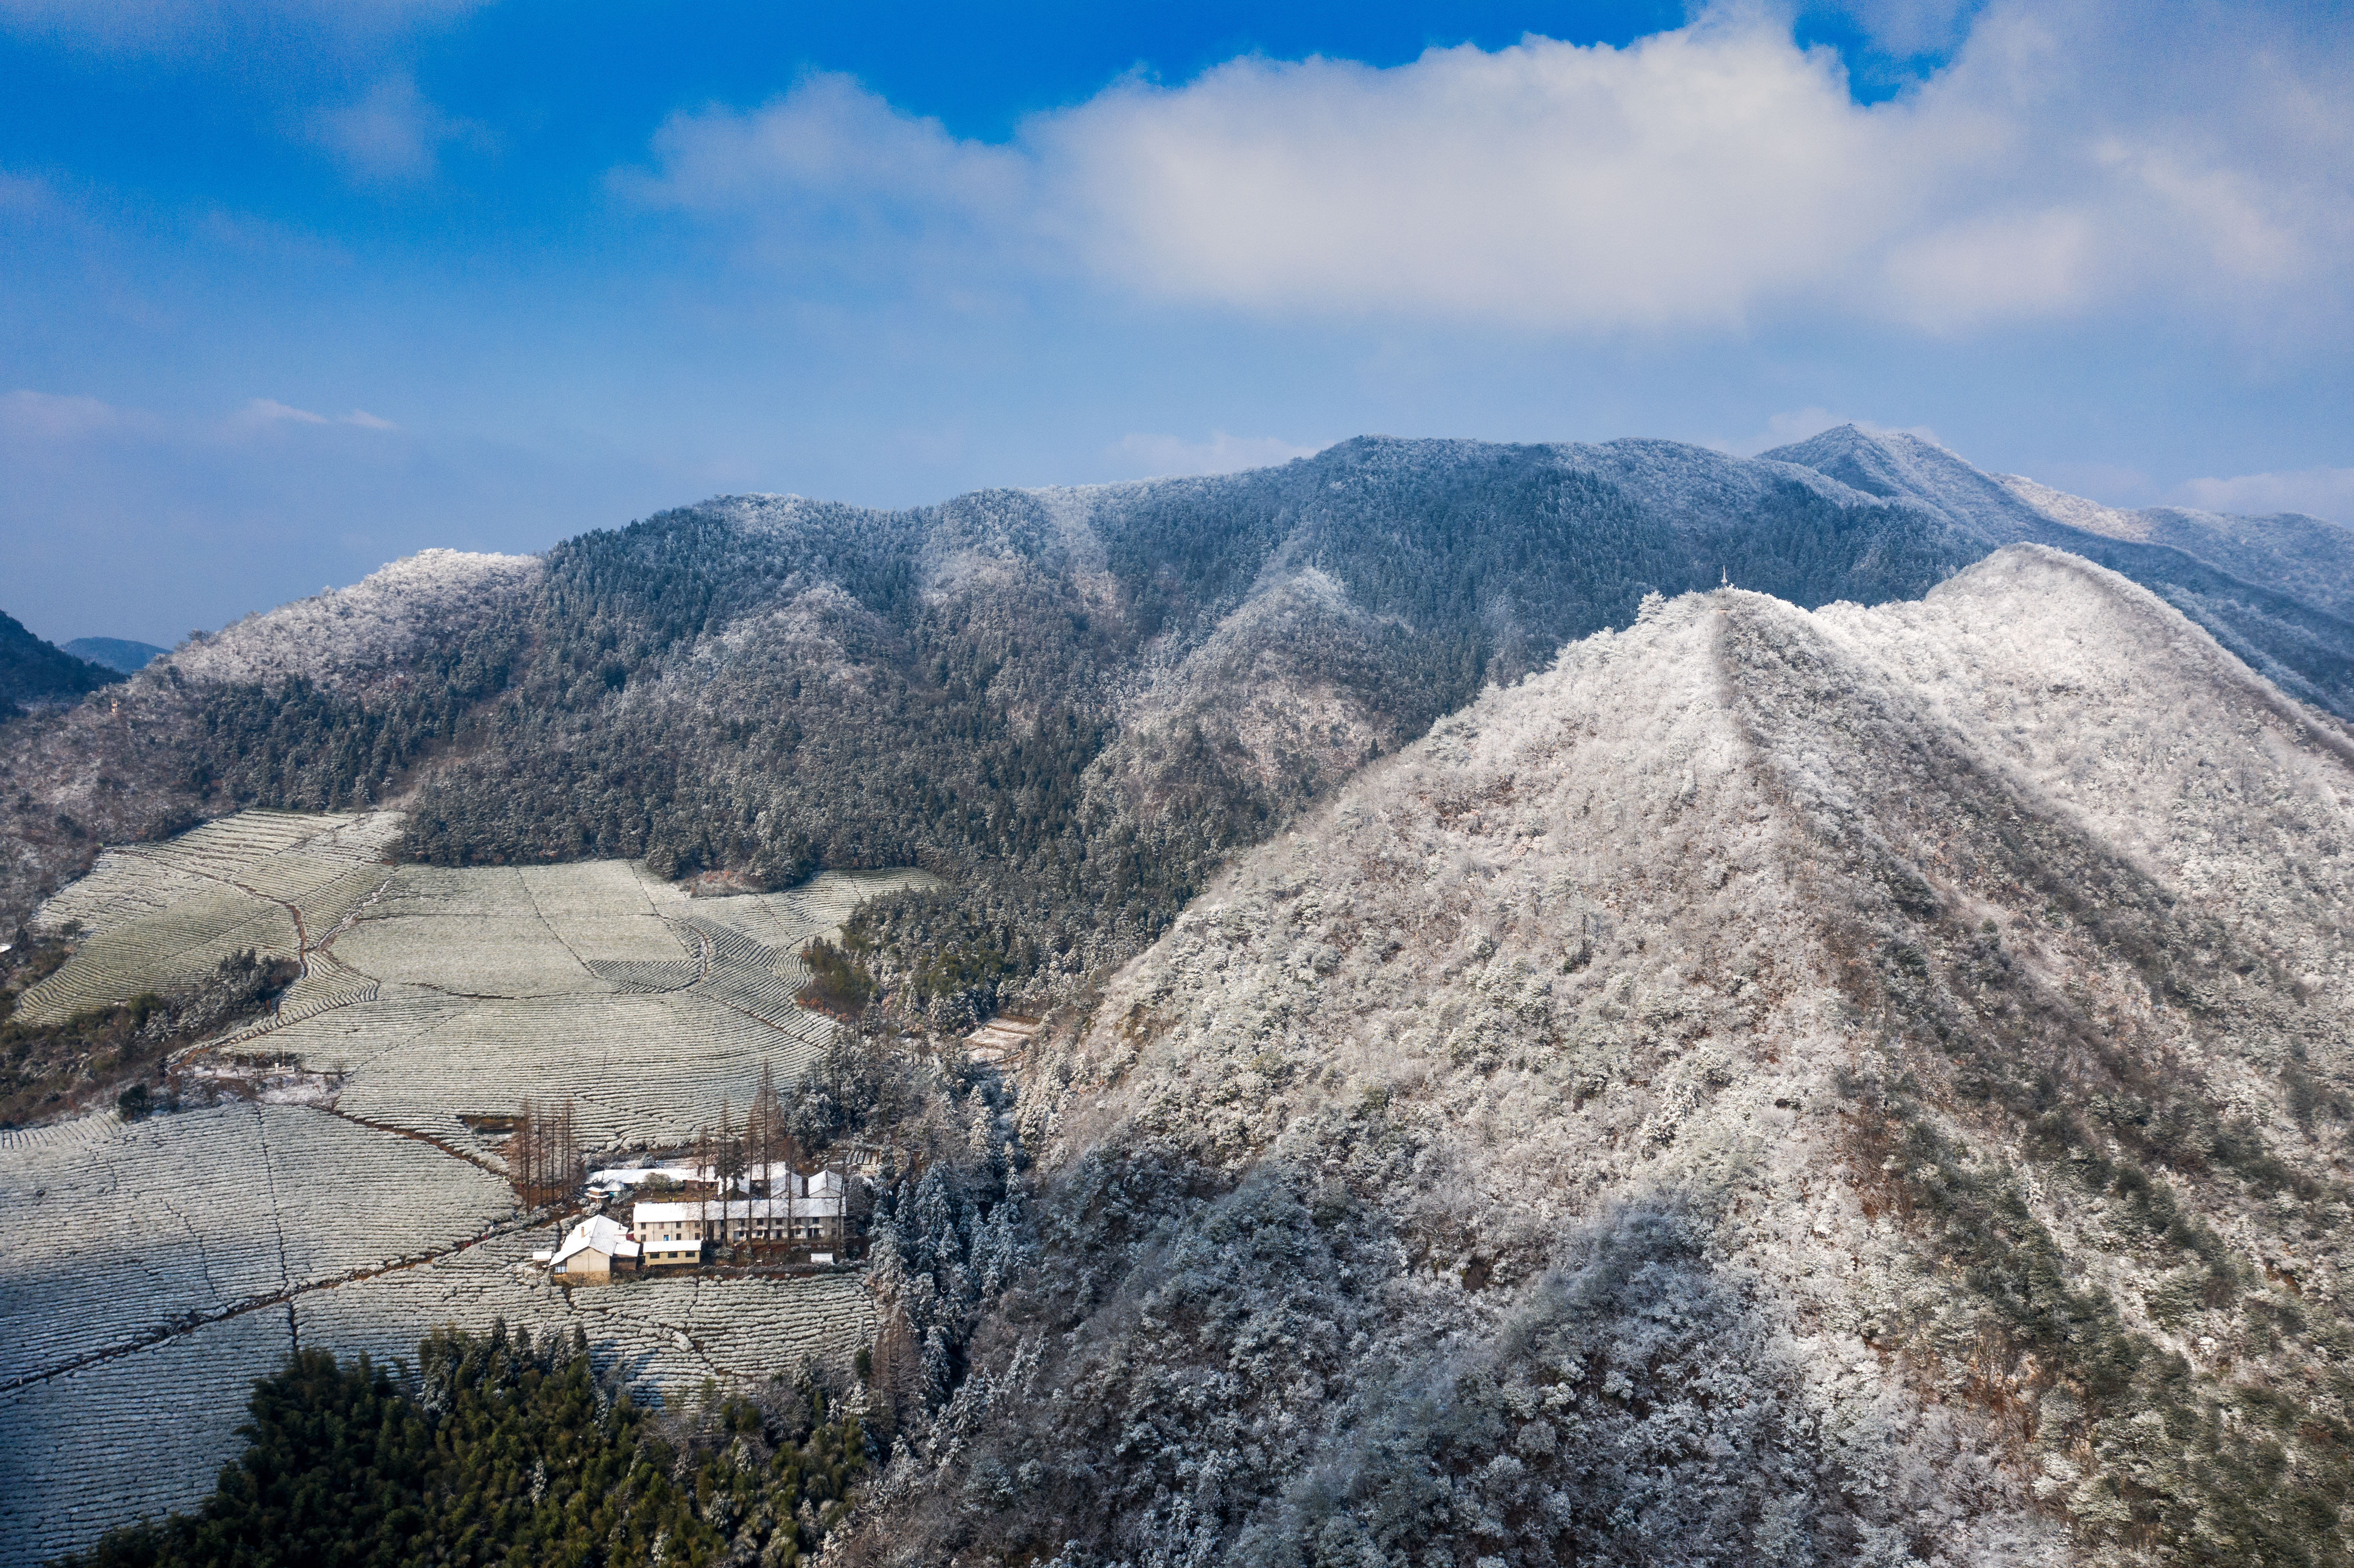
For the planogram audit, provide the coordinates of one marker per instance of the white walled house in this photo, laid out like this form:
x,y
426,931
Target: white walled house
x,y
675,1232
593,1252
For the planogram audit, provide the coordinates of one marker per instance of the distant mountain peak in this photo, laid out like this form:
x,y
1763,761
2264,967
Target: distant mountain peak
x,y
119,654
34,673
1898,464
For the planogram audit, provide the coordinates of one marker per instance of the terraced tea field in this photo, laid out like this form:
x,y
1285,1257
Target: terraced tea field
x,y
436,993
190,1216
667,1334
158,1267
127,1438
153,916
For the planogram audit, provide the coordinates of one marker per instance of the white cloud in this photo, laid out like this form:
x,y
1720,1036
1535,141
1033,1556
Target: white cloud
x,y
395,132
828,138
263,412
1158,456
49,416
2065,163
2003,266
2325,493
833,177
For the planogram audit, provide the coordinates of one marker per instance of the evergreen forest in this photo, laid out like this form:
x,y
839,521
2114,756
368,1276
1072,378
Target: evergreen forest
x,y
503,1452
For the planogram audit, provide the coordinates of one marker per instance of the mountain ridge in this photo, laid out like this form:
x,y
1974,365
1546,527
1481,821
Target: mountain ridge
x,y
1049,665
34,673
1543,1054
120,654
1704,1104
2271,589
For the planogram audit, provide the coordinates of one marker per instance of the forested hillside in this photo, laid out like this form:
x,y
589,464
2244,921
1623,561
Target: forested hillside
x,y
1069,704
33,671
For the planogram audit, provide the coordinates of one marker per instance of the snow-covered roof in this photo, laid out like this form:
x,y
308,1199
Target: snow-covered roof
x,y
635,1175
620,1176
596,1234
644,1214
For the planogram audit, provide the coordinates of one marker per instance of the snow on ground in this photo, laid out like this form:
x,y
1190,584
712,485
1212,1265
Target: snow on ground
x,y
666,1335
143,1284
346,631
118,1234
154,916
435,992
2075,511
128,1438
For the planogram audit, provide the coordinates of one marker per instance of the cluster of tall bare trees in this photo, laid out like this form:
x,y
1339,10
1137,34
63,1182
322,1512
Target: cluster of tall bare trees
x,y
759,1153
737,1160
543,1154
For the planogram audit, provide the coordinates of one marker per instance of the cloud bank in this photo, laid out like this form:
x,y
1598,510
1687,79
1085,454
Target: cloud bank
x,y
2070,160
2324,493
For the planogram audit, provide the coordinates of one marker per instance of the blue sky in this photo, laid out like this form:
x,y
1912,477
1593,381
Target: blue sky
x,y
293,287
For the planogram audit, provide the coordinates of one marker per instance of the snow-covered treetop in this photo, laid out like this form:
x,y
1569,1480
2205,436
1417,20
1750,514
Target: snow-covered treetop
x,y
351,631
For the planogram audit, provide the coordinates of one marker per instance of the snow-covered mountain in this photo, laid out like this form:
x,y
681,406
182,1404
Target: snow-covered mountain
x,y
1859,1087
2278,591
2304,558
1606,1003
1172,667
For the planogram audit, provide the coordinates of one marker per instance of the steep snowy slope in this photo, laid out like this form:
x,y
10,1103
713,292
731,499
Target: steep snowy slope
x,y
1860,1087
2277,591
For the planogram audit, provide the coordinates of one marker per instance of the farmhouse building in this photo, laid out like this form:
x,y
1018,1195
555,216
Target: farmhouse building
x,y
672,1252
813,1212
593,1252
